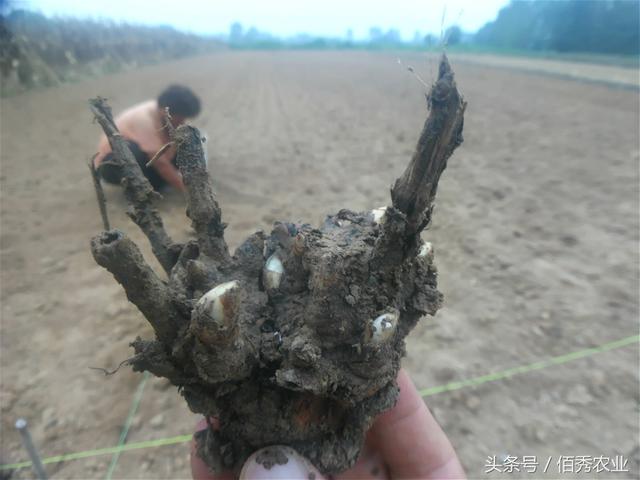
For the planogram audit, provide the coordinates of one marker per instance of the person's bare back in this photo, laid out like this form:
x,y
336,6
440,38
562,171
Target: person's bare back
x,y
142,126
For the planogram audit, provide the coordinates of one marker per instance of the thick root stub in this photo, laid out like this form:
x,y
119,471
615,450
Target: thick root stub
x,y
114,251
414,192
202,207
297,338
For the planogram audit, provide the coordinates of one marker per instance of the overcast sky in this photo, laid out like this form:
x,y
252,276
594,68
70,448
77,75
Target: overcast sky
x,y
284,17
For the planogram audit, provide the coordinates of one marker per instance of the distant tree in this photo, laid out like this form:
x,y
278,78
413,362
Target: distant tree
x,y
430,40
602,26
252,35
349,35
392,36
375,34
235,32
453,35
519,25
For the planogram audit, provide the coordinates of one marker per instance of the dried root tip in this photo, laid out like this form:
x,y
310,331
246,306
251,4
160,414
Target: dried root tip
x,y
381,328
273,271
214,318
426,252
379,215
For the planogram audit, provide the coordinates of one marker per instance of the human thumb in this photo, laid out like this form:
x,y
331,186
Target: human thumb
x,y
278,462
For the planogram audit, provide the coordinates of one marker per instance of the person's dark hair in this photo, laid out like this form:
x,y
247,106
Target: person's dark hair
x,y
180,100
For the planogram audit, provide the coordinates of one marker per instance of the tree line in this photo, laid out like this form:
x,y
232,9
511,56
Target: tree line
x,y
575,26
39,51
585,26
36,50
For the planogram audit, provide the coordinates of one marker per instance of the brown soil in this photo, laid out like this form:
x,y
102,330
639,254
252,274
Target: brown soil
x,y
536,234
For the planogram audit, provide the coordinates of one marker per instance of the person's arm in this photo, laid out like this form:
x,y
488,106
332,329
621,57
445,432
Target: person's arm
x,y
168,172
103,149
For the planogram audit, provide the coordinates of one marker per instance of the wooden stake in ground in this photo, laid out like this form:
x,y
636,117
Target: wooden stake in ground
x,y
102,202
297,337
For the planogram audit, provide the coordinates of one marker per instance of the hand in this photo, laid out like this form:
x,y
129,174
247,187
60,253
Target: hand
x,y
404,442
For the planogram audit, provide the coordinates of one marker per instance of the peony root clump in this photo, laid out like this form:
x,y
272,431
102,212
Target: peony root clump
x,y
295,338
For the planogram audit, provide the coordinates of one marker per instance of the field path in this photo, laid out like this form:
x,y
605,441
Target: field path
x,y
605,74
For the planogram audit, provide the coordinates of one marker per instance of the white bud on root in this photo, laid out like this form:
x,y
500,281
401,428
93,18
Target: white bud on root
x,y
214,316
379,214
272,274
381,328
426,252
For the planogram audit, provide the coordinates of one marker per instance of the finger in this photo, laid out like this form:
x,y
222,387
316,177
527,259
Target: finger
x,y
199,470
278,462
410,440
370,465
